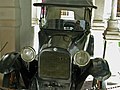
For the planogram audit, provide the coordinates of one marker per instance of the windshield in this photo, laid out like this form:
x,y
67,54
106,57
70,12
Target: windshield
x,y
65,9
56,12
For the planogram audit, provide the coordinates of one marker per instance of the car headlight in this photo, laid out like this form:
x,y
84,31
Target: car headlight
x,y
81,58
28,54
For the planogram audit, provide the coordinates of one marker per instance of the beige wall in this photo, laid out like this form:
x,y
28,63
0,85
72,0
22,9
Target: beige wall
x,y
7,35
15,24
10,20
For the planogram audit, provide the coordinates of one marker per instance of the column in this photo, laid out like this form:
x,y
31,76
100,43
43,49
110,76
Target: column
x,y
26,29
35,12
112,30
114,9
98,18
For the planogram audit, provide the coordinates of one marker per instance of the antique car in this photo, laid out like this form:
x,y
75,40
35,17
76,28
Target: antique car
x,y
66,51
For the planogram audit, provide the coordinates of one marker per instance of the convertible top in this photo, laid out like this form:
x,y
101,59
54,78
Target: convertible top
x,y
67,3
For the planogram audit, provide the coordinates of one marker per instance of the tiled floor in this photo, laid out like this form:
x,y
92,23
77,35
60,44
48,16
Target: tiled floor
x,y
113,83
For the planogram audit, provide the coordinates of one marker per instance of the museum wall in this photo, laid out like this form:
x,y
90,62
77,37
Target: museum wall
x,y
10,21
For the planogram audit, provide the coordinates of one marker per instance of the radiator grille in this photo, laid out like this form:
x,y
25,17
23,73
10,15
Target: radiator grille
x,y
54,65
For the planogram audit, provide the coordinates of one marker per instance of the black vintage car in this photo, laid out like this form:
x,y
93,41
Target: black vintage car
x,y
66,51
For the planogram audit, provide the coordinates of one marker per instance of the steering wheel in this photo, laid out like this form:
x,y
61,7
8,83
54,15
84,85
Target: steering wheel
x,y
69,24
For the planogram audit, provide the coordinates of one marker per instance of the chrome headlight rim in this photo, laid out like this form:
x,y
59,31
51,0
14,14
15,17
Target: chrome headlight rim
x,y
26,52
76,62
